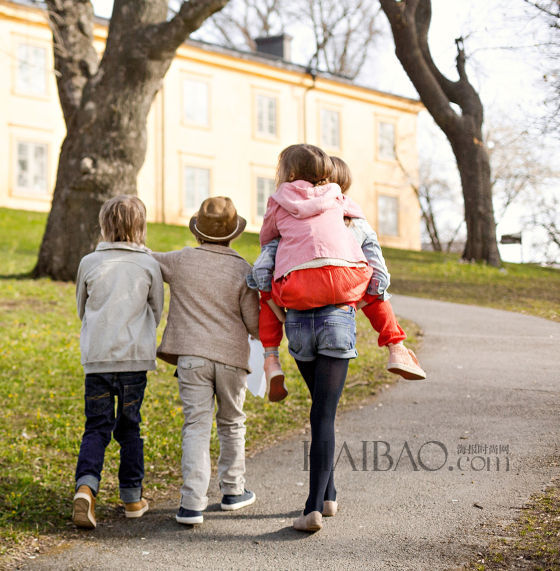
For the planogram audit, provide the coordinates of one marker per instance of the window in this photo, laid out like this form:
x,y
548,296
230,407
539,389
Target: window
x,y
386,140
196,187
266,115
330,128
195,102
388,215
31,168
31,70
265,187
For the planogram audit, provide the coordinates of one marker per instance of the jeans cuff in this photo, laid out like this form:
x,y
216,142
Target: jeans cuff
x,y
88,480
130,495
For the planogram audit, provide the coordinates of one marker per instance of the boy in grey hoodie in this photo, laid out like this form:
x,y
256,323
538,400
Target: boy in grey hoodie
x,y
119,294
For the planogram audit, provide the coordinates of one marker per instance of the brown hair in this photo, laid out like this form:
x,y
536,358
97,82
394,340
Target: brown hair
x,y
123,219
304,162
341,174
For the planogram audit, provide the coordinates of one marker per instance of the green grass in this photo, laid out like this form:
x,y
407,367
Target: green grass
x,y
41,393
525,288
530,542
41,380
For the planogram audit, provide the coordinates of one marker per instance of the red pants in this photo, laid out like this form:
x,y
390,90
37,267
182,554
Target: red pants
x,y
316,287
383,319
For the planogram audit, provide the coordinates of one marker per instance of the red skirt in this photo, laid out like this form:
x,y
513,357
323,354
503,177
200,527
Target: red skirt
x,y
316,287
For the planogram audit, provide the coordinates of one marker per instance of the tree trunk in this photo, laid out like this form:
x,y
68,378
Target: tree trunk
x,y
474,170
105,111
410,22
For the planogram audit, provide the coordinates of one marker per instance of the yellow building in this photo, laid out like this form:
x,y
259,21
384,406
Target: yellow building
x,y
216,128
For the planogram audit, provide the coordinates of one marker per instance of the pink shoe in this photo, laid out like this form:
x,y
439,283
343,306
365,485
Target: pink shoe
x,y
275,387
311,522
403,362
330,507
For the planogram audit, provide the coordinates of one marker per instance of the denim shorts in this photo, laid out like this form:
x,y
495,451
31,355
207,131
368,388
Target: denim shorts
x,y
328,330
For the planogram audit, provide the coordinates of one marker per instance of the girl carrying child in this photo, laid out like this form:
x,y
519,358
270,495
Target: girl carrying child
x,y
320,274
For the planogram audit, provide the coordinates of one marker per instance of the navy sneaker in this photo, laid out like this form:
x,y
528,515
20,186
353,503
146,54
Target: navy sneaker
x,y
230,502
188,517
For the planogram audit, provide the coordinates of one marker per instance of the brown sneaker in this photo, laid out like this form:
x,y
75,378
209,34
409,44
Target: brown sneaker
x,y
83,512
275,387
136,509
311,522
330,507
403,362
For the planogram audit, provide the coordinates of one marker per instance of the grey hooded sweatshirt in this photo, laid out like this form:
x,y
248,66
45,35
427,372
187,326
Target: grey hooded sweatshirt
x,y
119,294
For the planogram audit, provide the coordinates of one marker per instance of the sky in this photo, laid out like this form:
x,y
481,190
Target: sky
x,y
501,65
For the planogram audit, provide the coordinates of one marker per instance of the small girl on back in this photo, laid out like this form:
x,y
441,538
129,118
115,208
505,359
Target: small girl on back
x,y
317,262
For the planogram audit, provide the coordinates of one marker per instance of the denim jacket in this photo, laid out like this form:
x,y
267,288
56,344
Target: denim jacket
x,y
261,276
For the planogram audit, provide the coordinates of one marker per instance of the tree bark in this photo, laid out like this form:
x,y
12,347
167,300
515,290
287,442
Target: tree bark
x,y
410,22
105,106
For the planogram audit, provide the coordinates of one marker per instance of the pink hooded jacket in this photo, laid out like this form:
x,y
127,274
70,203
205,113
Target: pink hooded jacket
x,y
310,221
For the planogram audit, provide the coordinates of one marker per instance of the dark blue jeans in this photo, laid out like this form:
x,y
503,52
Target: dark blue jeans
x,y
102,421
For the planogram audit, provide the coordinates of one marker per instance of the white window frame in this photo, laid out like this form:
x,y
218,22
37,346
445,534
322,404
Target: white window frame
x,y
25,69
200,173
330,131
266,115
383,153
388,223
263,181
197,115
31,187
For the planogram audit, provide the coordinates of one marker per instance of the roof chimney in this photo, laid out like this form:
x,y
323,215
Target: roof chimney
x,y
277,46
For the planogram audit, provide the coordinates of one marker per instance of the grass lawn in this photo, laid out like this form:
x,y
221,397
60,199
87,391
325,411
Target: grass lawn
x,y
41,379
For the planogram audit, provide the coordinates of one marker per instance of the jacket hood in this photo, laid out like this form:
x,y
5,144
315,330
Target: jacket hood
x,y
303,200
122,246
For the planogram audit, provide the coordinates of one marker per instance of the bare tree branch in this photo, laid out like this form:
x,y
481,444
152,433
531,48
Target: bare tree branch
x,y
166,37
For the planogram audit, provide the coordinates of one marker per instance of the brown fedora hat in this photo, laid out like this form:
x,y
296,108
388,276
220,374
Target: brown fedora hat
x,y
217,220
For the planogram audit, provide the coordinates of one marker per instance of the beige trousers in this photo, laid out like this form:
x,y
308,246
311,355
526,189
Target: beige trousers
x,y
200,380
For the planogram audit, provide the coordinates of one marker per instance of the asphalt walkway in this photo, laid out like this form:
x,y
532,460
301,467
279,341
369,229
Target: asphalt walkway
x,y
425,474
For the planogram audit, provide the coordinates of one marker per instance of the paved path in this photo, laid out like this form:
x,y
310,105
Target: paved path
x,y
494,382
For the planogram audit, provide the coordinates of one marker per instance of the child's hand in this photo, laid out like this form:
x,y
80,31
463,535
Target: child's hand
x,y
278,311
361,304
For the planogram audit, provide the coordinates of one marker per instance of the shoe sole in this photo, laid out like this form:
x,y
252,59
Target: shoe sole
x,y
310,529
189,520
136,513
82,515
277,391
408,373
238,505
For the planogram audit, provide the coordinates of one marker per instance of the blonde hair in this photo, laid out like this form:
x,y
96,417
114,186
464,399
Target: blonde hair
x,y
123,219
341,174
304,162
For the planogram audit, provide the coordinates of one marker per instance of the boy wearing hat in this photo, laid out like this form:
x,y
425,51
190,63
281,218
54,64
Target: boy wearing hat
x,y
211,313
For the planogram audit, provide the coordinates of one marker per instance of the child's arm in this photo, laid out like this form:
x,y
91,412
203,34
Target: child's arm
x,y
249,305
155,295
81,292
261,275
269,230
371,248
166,262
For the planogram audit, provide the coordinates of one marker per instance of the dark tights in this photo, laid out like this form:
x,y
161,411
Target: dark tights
x,y
325,377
